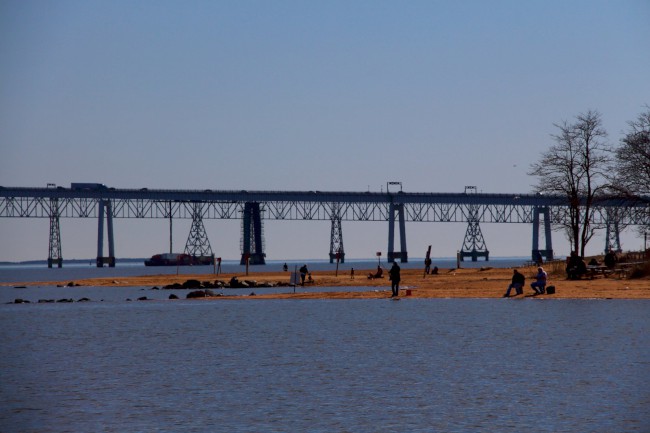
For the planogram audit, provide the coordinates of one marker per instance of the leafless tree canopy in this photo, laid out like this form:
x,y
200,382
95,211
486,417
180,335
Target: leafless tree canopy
x,y
632,165
576,166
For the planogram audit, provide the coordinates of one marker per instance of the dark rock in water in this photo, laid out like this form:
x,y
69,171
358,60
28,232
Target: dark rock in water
x,y
252,294
234,283
192,284
172,296
207,285
65,300
45,301
143,298
21,301
70,284
128,299
20,287
218,284
207,293
251,283
175,286
196,294
84,300
155,288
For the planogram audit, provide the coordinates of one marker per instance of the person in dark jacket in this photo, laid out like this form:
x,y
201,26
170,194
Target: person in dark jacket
x,y
303,273
517,283
394,274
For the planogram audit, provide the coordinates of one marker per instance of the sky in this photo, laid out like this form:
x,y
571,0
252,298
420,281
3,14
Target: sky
x,y
305,95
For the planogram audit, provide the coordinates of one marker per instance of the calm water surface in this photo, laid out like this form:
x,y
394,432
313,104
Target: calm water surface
x,y
416,365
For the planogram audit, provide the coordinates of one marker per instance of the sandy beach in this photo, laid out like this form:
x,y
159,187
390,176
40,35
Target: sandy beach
x,y
448,283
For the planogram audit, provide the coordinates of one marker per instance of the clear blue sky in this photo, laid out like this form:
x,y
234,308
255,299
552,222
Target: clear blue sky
x,y
306,95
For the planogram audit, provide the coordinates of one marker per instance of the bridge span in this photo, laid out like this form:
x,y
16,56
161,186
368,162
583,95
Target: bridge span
x,y
254,207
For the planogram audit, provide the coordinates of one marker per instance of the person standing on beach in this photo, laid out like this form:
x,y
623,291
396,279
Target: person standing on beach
x,y
394,275
303,274
352,273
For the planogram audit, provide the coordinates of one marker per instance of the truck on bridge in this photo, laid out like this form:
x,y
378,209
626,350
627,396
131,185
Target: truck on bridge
x,y
87,186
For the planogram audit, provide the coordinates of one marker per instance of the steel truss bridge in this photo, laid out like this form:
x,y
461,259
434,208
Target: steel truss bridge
x,y
254,207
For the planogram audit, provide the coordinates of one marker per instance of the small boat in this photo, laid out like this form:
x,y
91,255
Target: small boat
x,y
178,259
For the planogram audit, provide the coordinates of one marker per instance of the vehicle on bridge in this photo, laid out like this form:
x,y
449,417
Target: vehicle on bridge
x,y
87,186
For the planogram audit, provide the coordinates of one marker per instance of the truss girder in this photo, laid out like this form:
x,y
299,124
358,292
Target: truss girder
x,y
353,208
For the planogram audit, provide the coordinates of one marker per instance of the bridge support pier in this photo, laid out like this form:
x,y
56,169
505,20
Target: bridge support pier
x,y
198,244
547,253
474,243
403,254
54,255
336,237
105,208
613,238
252,245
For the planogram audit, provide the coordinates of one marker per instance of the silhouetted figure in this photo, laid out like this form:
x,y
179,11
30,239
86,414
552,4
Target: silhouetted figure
x,y
303,274
517,283
611,259
395,277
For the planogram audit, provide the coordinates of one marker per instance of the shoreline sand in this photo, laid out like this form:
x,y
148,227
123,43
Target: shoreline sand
x,y
448,283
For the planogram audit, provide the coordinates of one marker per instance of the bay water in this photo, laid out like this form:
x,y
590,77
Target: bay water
x,y
247,365
240,364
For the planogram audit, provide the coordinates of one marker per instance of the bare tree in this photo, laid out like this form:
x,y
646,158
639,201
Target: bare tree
x,y
632,164
576,166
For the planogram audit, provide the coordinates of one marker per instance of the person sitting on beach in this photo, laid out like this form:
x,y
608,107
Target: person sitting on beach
x,y
610,259
518,282
576,266
540,281
378,274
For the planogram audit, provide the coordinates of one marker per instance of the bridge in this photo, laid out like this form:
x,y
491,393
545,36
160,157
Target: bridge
x,y
254,207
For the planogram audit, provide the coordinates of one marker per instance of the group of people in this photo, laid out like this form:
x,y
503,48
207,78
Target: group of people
x,y
519,281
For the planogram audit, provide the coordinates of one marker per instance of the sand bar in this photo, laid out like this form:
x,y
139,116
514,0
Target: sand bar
x,y
448,283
